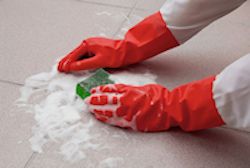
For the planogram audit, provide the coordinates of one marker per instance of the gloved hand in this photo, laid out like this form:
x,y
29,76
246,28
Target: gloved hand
x,y
155,108
148,38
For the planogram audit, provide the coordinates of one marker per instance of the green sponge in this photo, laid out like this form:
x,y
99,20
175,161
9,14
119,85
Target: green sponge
x,y
100,77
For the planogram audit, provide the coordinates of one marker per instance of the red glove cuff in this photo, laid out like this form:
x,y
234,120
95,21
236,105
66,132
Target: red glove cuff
x,y
192,106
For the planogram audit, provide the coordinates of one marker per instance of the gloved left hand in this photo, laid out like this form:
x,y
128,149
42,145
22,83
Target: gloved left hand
x,y
145,40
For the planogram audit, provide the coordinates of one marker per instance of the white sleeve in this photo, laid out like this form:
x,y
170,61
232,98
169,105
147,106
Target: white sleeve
x,y
185,18
231,93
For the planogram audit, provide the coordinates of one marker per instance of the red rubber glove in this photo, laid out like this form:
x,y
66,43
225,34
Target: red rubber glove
x,y
148,38
155,108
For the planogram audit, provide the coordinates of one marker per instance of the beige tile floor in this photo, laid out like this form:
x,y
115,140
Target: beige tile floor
x,y
33,33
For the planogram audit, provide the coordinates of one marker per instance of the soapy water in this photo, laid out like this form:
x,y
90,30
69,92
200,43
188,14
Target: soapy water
x,y
113,162
63,118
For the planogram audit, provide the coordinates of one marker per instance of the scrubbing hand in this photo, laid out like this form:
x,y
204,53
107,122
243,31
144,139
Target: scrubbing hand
x,y
139,108
152,107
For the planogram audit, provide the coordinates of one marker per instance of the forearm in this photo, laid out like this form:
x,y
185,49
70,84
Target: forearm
x,y
175,23
214,101
231,92
185,18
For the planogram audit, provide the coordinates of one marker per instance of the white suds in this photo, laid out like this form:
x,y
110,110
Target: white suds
x,y
112,162
63,118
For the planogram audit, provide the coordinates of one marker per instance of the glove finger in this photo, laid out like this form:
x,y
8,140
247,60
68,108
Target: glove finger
x,y
98,100
72,56
86,64
78,52
105,113
103,99
95,90
110,88
60,64
101,118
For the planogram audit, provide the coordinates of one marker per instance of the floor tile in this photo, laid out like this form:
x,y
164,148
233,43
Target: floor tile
x,y
15,130
150,6
34,33
210,148
241,15
115,3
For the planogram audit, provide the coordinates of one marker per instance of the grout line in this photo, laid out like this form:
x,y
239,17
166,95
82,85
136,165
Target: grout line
x,y
128,15
33,155
105,4
11,82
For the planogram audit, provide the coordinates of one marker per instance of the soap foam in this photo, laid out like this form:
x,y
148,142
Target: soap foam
x,y
63,118
112,162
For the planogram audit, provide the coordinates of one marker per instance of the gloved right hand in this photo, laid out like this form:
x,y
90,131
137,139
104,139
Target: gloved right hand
x,y
148,38
152,107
